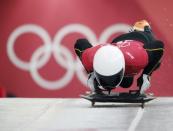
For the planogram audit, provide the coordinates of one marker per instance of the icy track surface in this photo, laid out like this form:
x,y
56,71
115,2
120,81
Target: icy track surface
x,y
24,114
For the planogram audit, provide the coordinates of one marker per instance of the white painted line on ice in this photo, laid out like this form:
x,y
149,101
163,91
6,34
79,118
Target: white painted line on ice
x,y
136,120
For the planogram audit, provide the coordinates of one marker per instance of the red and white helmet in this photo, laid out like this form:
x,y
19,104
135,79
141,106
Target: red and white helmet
x,y
109,66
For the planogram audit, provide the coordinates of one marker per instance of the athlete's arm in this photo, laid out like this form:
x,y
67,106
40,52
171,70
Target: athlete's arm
x,y
155,53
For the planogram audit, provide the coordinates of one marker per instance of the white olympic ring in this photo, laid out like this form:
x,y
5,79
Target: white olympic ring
x,y
42,55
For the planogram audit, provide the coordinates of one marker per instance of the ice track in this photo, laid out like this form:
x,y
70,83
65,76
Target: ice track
x,y
26,114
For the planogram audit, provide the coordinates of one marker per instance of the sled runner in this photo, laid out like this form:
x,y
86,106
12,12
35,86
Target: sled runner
x,y
127,97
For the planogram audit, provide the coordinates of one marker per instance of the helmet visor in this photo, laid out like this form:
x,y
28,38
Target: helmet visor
x,y
109,82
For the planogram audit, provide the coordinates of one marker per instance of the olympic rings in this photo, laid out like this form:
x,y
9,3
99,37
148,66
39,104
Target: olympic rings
x,y
69,63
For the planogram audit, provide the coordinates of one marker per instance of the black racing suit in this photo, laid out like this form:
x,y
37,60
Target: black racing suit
x,y
154,48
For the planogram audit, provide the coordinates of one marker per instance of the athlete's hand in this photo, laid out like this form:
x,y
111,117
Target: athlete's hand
x,y
143,82
90,81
